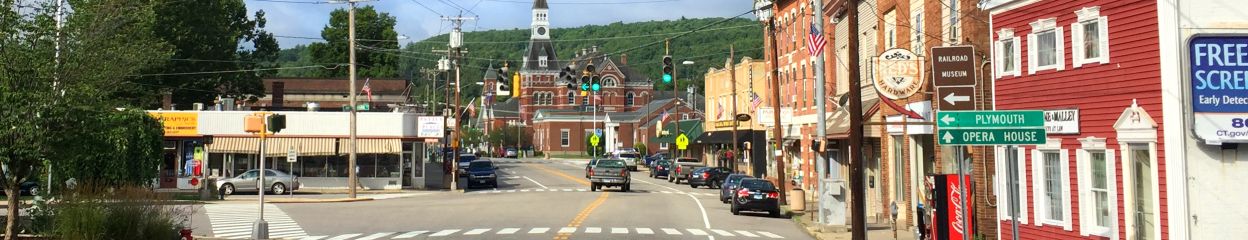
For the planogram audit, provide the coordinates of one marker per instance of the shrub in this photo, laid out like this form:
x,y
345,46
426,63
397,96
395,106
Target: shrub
x,y
98,213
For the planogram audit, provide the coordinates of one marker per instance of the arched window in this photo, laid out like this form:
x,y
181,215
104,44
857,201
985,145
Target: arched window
x,y
571,97
628,99
609,82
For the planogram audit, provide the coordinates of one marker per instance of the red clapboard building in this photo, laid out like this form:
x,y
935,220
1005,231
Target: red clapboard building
x,y
1093,67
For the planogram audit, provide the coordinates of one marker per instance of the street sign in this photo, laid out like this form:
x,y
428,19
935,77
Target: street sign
x,y
990,119
1020,136
292,155
953,66
594,139
682,141
956,98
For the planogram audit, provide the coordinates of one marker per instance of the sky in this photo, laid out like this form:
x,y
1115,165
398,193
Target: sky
x,y
306,18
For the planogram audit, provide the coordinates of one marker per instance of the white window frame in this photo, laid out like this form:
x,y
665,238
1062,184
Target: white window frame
x,y
541,61
1089,15
565,137
1020,155
890,29
1087,199
1007,35
916,34
1033,54
629,98
1037,184
663,146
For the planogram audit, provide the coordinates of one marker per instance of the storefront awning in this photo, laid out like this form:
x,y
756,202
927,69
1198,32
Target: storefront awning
x,y
725,137
371,146
691,128
274,146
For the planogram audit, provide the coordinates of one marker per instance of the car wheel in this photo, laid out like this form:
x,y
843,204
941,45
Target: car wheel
x,y
669,178
227,189
627,187
775,212
734,210
691,185
33,191
278,189
593,187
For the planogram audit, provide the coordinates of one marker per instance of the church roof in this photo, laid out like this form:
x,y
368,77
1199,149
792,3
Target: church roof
x,y
540,4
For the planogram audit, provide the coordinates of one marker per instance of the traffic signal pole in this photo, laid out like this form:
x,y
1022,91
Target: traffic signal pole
x,y
821,123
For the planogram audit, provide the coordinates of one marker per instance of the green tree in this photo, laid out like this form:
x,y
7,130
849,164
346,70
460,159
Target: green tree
x,y
51,104
641,148
507,136
375,38
472,136
595,151
206,36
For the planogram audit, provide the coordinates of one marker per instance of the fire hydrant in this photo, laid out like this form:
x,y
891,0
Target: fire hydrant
x,y
186,234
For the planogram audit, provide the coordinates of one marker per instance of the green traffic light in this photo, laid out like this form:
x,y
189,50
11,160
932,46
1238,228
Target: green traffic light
x,y
597,87
584,87
667,78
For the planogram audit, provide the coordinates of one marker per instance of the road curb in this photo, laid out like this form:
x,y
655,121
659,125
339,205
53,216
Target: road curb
x,y
309,200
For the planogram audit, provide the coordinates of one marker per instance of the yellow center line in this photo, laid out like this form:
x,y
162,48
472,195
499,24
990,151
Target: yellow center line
x,y
580,217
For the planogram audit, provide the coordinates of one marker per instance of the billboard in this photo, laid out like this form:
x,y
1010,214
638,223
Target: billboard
x,y
430,127
1218,74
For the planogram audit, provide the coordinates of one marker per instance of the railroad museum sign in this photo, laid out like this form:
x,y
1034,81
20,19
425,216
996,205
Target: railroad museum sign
x,y
898,73
1218,70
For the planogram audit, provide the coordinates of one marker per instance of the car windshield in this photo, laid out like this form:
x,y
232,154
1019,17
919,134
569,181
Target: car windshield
x,y
628,155
467,158
701,170
665,163
610,163
735,178
688,160
480,166
756,184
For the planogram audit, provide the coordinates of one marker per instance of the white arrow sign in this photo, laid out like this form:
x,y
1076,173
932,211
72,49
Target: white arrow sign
x,y
954,99
947,119
948,137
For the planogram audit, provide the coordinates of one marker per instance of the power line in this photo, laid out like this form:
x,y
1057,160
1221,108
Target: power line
x,y
606,38
427,8
585,3
236,71
683,34
293,1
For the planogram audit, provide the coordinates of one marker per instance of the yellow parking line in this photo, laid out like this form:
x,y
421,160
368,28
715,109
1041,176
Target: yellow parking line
x,y
580,217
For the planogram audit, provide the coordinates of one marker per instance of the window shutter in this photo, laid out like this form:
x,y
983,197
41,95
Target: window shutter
x,y
1060,50
1082,164
1066,208
1031,53
1076,44
1021,155
998,57
1017,59
1037,173
1104,31
999,187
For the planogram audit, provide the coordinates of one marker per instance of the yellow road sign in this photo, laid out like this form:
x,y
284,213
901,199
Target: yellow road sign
x,y
593,140
682,141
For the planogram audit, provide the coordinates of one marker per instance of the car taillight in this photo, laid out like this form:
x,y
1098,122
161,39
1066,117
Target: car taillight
x,y
591,173
743,193
773,195
677,170
624,173
706,175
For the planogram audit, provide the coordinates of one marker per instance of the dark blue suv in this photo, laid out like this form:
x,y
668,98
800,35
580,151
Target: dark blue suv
x,y
730,186
481,173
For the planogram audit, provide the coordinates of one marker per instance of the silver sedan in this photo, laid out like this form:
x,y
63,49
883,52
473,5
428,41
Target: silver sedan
x,y
276,182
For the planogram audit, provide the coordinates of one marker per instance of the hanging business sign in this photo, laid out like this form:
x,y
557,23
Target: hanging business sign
x,y
1218,72
429,127
1064,121
898,73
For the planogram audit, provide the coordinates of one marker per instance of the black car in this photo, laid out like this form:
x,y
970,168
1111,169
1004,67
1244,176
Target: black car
x,y
29,187
756,195
730,186
661,168
481,173
711,177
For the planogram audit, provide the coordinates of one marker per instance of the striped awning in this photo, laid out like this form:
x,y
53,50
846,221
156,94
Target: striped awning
x,y
274,146
373,146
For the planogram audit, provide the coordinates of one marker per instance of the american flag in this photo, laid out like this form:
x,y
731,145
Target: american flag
x,y
598,99
663,118
755,100
815,41
719,113
368,91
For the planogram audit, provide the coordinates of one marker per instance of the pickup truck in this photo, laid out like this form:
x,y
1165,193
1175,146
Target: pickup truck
x,y
682,167
609,173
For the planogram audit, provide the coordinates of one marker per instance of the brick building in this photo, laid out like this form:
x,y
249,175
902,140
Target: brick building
x,y
298,94
748,79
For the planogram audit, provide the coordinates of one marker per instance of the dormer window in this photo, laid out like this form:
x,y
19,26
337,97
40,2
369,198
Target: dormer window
x,y
541,61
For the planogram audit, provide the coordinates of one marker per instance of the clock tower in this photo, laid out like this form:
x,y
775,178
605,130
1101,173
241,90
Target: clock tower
x,y
541,21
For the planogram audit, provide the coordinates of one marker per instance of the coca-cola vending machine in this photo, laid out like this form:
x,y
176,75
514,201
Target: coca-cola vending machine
x,y
948,220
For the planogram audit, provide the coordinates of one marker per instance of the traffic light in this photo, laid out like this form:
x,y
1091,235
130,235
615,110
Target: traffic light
x,y
277,122
596,83
566,76
667,69
585,83
501,81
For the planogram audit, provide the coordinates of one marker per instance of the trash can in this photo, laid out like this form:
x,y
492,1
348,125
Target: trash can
x,y
797,200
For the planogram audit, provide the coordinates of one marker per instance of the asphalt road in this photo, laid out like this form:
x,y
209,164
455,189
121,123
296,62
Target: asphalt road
x,y
535,199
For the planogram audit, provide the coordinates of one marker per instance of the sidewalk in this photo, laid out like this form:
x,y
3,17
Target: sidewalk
x,y
833,233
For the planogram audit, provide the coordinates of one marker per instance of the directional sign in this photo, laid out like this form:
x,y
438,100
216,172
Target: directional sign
x,y
953,66
682,141
594,139
956,98
1023,136
990,119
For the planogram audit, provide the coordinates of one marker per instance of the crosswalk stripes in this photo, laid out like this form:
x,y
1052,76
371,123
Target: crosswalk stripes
x,y
746,233
459,233
593,230
409,234
619,230
698,232
538,230
672,231
508,231
478,231
235,221
645,231
344,236
375,236
723,233
444,233
770,235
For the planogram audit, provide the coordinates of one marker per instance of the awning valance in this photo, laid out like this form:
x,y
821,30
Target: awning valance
x,y
373,146
275,146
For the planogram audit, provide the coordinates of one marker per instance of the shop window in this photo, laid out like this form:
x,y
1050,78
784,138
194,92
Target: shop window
x,y
1045,50
1007,53
1051,183
387,165
1089,37
1097,190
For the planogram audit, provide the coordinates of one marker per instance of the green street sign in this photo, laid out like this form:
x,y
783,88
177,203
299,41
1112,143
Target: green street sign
x,y
682,141
594,139
1024,136
990,119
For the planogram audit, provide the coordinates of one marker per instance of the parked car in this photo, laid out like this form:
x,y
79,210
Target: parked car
x,y
609,173
650,160
730,186
482,173
511,153
589,166
711,177
756,195
29,187
276,182
464,160
631,159
683,166
661,168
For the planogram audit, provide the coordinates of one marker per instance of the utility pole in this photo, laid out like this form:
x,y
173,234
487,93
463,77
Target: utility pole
x,y
456,53
352,177
821,122
775,104
732,75
857,190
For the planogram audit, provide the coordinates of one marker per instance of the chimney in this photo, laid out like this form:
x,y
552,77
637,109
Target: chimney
x,y
594,48
584,51
624,59
166,100
279,95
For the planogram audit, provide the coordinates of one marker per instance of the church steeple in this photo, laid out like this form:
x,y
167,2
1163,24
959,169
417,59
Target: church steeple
x,y
541,23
